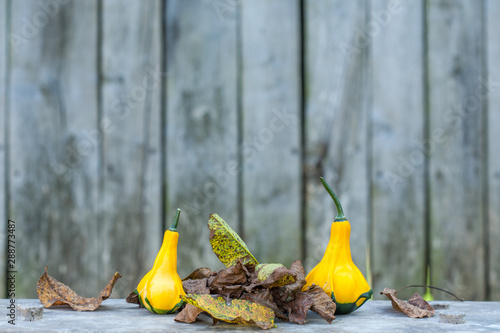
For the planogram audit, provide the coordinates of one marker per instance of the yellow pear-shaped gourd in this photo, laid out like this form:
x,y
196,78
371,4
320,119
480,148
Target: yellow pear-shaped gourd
x,y
336,272
160,290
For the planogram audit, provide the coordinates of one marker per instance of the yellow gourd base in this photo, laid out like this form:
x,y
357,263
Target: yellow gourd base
x,y
158,311
345,308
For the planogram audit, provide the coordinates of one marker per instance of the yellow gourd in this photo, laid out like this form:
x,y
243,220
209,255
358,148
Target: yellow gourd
x,y
336,272
160,289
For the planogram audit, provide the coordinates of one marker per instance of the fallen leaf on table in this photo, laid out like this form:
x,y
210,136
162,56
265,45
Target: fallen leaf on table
x,y
227,244
188,314
52,292
322,303
415,307
233,311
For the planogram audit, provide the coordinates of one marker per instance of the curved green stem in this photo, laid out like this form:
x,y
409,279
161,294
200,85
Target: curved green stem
x,y
173,227
340,212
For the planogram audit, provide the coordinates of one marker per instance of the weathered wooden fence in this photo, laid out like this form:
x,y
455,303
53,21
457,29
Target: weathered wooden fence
x,y
114,113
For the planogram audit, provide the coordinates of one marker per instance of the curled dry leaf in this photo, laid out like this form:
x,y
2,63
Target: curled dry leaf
x,y
322,303
188,314
199,273
52,292
229,276
415,307
199,286
297,309
233,311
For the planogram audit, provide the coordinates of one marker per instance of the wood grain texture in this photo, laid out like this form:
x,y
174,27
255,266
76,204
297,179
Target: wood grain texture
x,y
3,144
492,12
132,229
201,125
53,161
271,129
336,123
455,56
397,156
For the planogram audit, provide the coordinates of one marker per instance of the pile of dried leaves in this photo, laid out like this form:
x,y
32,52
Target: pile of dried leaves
x,y
253,294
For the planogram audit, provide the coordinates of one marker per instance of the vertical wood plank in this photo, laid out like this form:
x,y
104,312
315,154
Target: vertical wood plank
x,y
131,95
492,12
3,127
456,123
201,125
336,124
398,159
271,129
53,160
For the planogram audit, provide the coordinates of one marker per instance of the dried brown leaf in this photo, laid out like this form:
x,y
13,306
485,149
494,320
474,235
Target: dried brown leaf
x,y
199,286
199,273
297,309
234,291
264,297
229,276
416,307
52,292
188,314
229,281
287,292
322,303
134,299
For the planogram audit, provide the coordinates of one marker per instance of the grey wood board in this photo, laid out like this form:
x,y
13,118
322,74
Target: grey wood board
x,y
271,129
3,144
397,155
455,53
336,125
374,316
201,125
53,164
131,229
492,11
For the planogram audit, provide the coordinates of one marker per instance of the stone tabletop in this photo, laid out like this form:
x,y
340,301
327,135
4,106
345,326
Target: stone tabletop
x,y
115,315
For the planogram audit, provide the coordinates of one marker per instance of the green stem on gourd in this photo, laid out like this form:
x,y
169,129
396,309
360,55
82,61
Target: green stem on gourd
x,y
340,212
173,227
